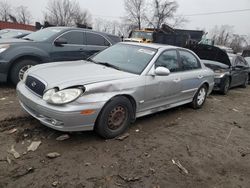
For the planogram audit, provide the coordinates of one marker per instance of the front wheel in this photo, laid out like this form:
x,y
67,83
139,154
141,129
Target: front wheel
x,y
18,70
114,118
225,86
200,97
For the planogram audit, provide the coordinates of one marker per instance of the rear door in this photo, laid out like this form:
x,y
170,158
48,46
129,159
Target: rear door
x,y
74,48
238,72
94,43
192,74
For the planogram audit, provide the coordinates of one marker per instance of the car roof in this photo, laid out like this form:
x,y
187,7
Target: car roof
x,y
152,45
80,29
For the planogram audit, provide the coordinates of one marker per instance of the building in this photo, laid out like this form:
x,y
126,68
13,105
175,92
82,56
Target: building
x,y
10,25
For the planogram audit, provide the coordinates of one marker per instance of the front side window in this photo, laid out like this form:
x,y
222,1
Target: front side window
x,y
96,40
128,58
168,59
74,37
189,61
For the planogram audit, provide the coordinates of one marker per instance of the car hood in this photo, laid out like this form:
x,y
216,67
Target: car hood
x,y
212,53
67,74
214,65
12,40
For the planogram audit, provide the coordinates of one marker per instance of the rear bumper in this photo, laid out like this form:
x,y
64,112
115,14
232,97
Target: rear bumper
x,y
66,118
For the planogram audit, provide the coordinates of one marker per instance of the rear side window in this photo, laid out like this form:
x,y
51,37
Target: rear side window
x,y
189,61
168,59
74,37
96,40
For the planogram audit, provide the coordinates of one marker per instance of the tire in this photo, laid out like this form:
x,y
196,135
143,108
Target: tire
x,y
225,86
244,85
19,68
114,118
200,97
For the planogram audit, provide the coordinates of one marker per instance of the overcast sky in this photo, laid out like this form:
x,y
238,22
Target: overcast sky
x,y
113,9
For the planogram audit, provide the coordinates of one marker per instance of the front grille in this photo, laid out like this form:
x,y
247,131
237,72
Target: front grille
x,y
35,85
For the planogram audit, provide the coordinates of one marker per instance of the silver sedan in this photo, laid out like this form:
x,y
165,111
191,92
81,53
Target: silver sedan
x,y
113,88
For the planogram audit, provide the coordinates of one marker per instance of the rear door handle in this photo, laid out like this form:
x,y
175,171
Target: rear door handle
x,y
200,76
177,80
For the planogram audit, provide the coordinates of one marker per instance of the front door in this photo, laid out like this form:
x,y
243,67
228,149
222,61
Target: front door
x,y
73,50
163,90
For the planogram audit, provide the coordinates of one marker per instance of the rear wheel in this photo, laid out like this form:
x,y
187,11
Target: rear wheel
x,y
114,118
244,85
18,70
225,86
200,97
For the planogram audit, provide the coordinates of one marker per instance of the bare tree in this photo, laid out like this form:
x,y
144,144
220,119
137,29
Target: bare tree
x,y
238,43
222,35
23,15
64,13
5,11
135,10
163,11
82,17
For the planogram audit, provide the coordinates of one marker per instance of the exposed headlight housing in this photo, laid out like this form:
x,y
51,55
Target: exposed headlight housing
x,y
62,97
4,47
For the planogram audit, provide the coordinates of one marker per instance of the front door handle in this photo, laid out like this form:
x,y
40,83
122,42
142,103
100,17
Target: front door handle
x,y
176,80
200,76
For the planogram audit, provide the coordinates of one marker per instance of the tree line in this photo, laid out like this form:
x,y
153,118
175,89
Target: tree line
x,y
138,14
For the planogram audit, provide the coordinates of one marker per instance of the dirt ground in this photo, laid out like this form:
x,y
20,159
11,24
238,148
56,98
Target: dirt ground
x,y
212,144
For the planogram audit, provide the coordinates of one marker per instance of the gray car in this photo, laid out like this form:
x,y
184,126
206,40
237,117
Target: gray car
x,y
113,88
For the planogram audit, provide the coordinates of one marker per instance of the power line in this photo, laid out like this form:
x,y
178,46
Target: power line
x,y
221,12
188,15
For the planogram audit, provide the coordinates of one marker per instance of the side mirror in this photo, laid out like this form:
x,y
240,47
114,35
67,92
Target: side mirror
x,y
162,71
60,41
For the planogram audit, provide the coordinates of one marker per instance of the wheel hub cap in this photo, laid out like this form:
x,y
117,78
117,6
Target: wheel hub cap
x,y
116,117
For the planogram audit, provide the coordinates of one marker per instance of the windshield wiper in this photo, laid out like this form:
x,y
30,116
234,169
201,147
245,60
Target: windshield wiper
x,y
103,63
28,39
108,65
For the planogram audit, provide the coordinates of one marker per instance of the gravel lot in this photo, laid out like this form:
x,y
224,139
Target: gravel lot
x,y
212,146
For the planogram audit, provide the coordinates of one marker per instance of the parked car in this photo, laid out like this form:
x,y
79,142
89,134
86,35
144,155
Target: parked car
x,y
49,45
248,61
113,88
14,33
230,70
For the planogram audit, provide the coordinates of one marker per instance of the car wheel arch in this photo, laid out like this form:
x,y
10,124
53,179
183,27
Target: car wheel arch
x,y
27,57
129,97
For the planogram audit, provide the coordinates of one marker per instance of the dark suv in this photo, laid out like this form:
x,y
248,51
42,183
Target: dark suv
x,y
49,45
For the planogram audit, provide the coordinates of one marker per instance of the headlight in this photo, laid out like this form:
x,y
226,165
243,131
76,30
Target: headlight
x,y
62,97
4,47
219,71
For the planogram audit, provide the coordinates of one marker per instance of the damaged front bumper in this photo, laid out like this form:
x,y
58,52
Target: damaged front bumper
x,y
67,117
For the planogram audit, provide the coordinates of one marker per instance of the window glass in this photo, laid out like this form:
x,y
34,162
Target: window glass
x,y
189,61
95,39
126,57
169,60
74,37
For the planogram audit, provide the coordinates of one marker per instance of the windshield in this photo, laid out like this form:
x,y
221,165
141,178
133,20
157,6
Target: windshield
x,y
142,34
125,57
43,34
